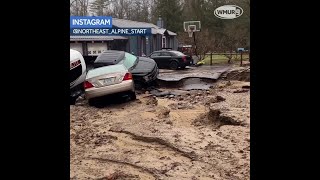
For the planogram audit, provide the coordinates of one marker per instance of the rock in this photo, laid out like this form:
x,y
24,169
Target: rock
x,y
147,92
194,178
163,112
151,110
241,90
215,100
220,98
176,135
154,130
214,114
169,122
152,101
197,123
180,98
219,133
171,96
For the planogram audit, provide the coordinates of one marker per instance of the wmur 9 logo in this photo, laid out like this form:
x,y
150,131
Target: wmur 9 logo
x,y
228,12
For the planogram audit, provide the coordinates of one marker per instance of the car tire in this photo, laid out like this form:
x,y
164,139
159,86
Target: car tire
x,y
138,85
173,65
72,100
93,102
133,95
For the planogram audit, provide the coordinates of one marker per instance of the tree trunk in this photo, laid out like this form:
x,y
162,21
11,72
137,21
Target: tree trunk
x,y
230,57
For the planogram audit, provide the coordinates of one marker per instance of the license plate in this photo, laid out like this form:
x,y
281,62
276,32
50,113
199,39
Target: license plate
x,y
108,80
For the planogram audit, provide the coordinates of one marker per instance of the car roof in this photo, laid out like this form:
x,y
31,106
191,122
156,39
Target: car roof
x,y
173,51
110,57
106,70
74,55
163,50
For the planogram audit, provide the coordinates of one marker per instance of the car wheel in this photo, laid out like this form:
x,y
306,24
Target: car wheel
x,y
173,65
93,102
133,95
138,85
72,100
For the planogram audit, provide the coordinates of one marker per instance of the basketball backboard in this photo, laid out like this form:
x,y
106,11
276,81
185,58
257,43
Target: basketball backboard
x,y
192,25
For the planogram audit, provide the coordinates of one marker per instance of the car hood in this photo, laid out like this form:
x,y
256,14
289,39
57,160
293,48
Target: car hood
x,y
144,66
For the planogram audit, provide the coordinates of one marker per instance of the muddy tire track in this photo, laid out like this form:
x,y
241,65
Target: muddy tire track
x,y
147,139
213,164
152,171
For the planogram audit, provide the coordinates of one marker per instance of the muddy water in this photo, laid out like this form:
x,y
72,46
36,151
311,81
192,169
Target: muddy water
x,y
188,84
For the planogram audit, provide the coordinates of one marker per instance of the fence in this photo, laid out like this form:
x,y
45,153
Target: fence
x,y
216,58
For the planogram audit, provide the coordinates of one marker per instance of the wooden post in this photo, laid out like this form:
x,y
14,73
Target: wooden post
x,y
241,58
211,59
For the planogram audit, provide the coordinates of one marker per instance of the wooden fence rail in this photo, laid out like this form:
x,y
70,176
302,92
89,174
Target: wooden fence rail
x,y
226,54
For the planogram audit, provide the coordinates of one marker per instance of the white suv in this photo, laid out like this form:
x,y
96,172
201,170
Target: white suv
x,y
77,75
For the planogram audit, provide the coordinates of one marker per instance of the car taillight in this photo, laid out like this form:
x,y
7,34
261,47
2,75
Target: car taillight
x,y
87,85
184,58
128,76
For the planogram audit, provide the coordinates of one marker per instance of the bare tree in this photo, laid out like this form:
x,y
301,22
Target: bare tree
x,y
145,13
235,36
79,7
119,8
98,7
206,42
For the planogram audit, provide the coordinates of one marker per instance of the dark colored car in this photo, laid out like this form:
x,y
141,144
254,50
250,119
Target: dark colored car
x,y
171,59
144,70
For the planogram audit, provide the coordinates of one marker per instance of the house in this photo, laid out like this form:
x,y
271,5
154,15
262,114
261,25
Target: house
x,y
92,46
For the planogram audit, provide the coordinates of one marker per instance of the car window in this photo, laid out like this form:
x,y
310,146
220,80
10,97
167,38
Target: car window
x,y
129,60
165,54
155,54
178,53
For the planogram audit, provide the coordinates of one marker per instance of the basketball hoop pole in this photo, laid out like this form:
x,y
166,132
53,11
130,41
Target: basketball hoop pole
x,y
191,27
195,45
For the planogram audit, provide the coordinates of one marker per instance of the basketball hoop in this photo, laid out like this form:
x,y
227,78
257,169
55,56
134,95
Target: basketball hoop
x,y
191,29
190,32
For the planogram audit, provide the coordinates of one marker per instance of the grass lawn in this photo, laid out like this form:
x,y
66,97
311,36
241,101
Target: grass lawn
x,y
218,59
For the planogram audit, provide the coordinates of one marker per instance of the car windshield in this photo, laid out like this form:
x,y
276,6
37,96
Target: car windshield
x,y
129,60
178,53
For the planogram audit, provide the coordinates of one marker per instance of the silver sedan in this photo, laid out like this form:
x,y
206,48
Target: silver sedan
x,y
107,80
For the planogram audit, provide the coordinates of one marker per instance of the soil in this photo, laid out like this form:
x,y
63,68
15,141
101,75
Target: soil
x,y
203,134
